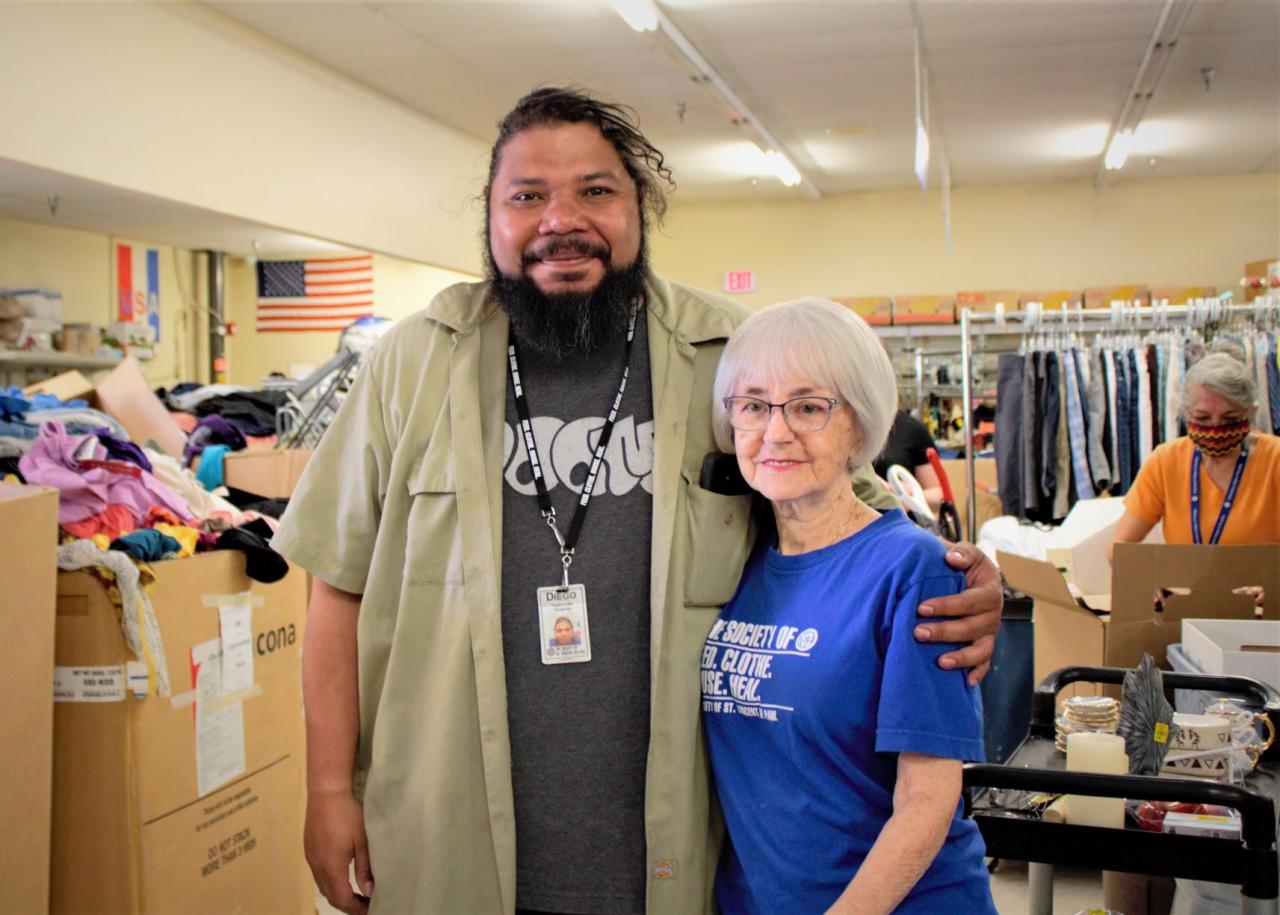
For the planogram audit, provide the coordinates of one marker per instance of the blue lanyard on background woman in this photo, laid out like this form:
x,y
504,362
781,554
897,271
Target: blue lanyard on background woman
x,y
1227,502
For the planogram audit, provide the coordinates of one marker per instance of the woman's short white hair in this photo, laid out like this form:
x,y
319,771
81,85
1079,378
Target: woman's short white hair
x,y
1223,374
819,341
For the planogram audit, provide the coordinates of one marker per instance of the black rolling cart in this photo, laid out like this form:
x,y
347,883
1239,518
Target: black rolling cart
x,y
1250,862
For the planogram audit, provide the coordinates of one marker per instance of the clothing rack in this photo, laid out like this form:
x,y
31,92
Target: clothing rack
x,y
1120,316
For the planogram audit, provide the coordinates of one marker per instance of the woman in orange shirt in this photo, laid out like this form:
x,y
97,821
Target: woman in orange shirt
x,y
1219,484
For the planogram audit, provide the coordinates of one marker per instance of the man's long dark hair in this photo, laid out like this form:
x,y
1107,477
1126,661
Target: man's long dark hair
x,y
553,105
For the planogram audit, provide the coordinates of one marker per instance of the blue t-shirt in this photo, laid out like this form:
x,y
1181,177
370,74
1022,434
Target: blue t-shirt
x,y
811,685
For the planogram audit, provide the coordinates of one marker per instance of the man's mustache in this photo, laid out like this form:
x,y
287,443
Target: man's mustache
x,y
566,246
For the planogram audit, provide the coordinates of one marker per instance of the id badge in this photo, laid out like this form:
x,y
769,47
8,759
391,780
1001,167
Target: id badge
x,y
562,625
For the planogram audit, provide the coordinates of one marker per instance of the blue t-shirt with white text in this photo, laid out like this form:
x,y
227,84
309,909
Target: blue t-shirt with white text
x,y
811,685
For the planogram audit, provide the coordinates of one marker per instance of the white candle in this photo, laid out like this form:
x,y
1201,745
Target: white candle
x,y
1103,753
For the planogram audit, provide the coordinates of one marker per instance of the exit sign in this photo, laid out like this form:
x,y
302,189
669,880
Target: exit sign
x,y
740,281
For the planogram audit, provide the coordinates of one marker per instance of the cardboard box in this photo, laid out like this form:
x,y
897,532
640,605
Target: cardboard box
x,y
66,386
986,300
874,309
125,394
187,803
988,501
270,473
1260,270
28,537
1052,300
1113,630
924,309
1181,295
1103,296
1239,648
1078,546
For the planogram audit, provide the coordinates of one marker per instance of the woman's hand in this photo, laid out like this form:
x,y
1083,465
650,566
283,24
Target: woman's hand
x,y
978,609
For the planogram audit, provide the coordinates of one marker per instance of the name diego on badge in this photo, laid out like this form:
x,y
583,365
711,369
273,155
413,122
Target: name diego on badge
x,y
562,625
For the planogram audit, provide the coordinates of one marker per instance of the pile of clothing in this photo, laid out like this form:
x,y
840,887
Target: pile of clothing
x,y
141,502
123,504
21,416
250,410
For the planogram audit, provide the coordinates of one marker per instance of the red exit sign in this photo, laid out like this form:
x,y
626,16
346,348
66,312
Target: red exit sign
x,y
740,281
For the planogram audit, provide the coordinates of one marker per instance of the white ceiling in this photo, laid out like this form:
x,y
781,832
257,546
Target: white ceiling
x,y
94,207
1025,91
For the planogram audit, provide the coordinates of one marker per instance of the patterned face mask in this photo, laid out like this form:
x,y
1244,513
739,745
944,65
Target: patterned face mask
x,y
1216,441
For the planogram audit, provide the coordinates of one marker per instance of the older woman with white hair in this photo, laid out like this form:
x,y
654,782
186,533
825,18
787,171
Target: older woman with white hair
x,y
1221,482
835,740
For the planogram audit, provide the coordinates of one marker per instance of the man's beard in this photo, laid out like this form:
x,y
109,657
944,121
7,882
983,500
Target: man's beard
x,y
556,325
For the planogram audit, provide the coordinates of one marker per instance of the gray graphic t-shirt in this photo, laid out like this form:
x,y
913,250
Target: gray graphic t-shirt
x,y
580,732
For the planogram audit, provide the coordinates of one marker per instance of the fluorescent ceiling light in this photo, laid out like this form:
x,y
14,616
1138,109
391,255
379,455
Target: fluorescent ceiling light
x,y
641,15
922,154
1082,142
1118,151
781,168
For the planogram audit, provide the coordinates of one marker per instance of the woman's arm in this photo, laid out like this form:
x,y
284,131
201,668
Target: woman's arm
x,y
1129,529
924,802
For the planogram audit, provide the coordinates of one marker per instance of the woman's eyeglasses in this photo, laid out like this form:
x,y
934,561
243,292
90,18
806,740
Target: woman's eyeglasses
x,y
801,414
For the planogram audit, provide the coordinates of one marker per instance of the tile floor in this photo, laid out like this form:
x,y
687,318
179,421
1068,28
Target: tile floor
x,y
1074,889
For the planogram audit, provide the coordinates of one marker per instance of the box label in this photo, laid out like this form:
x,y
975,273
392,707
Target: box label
x,y
219,731
89,684
235,614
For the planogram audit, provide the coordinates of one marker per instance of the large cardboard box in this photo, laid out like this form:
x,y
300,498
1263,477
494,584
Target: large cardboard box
x,y
190,802
924,309
1113,630
1053,300
270,473
986,300
874,309
28,568
987,499
1181,295
1103,296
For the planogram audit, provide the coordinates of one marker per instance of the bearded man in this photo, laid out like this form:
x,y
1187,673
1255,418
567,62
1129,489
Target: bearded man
x,y
524,446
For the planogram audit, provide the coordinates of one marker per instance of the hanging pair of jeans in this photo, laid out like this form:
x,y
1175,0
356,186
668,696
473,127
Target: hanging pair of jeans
x,y
1008,437
1124,426
1077,433
1031,435
1049,405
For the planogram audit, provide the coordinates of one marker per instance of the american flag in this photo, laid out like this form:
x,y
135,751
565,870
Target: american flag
x,y
319,294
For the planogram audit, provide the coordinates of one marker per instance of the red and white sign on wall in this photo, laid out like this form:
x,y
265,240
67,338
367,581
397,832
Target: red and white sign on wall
x,y
740,281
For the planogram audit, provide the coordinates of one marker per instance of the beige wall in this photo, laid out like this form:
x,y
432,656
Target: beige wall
x,y
1183,232
78,264
400,288
176,101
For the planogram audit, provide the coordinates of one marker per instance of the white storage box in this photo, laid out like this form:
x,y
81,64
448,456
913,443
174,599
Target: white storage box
x,y
1240,648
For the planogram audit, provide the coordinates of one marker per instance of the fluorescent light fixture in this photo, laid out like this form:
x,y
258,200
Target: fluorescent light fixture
x,y
1083,141
922,154
641,15
781,168
1118,151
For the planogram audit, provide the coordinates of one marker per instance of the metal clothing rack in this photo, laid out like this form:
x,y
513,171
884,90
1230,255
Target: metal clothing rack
x,y
299,424
1120,316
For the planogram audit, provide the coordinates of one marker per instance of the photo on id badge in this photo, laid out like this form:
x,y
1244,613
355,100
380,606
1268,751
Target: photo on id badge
x,y
562,615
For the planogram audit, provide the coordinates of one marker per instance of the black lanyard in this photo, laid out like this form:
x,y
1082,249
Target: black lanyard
x,y
1228,499
568,543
